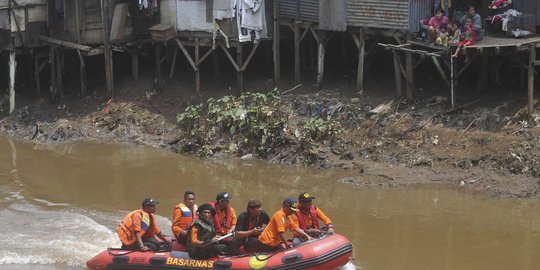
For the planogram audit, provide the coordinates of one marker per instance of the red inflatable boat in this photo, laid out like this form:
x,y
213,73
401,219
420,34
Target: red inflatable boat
x,y
328,252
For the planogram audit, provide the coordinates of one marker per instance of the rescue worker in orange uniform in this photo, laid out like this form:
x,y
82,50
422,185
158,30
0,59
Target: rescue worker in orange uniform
x,y
225,216
273,236
308,218
138,229
183,216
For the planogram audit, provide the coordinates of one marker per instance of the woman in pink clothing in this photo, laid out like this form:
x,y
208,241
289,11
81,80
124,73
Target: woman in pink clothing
x,y
435,23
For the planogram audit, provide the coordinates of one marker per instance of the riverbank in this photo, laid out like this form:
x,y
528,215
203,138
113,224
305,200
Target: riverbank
x,y
485,146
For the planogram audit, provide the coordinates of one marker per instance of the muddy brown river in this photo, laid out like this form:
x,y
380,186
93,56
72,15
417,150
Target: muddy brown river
x,y
59,205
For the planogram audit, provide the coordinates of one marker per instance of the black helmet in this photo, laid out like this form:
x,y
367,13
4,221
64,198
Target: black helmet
x,y
204,207
223,196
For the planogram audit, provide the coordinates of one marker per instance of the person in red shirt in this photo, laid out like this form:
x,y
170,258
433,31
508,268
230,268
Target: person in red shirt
x,y
225,216
138,229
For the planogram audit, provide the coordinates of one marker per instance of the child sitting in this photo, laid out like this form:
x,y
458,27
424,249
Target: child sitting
x,y
467,38
442,37
455,32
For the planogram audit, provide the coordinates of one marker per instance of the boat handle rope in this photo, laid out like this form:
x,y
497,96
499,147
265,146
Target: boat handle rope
x,y
267,257
122,254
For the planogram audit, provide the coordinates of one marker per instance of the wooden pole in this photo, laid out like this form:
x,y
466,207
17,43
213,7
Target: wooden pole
x,y
296,52
78,20
277,51
12,67
361,58
320,58
198,70
397,74
481,84
453,79
173,65
59,71
409,67
240,63
82,71
52,61
36,73
107,48
215,60
157,55
135,65
532,59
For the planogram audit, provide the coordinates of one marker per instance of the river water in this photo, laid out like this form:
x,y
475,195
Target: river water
x,y
59,205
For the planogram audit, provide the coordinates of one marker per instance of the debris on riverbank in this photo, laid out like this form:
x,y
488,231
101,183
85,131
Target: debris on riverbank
x,y
387,143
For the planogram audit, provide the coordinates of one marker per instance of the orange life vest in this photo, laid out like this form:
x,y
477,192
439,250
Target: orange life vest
x,y
228,218
186,219
127,236
314,218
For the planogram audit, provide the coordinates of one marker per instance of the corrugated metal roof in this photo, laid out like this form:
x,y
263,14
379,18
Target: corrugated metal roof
x,y
309,10
385,14
419,10
333,15
303,10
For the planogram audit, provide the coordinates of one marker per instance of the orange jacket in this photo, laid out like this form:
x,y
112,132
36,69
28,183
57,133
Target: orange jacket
x,y
311,219
183,217
137,221
223,220
278,224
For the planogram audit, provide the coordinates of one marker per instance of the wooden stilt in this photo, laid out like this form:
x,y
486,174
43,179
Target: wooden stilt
x,y
107,48
523,72
361,58
320,58
313,54
250,55
135,65
240,63
173,65
198,70
52,61
277,51
36,73
397,74
440,70
409,69
59,72
296,52
157,46
481,84
453,80
215,61
77,21
530,90
498,71
12,68
82,70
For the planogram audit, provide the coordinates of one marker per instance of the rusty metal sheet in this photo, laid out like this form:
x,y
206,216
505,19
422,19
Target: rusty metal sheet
x,y
385,14
333,15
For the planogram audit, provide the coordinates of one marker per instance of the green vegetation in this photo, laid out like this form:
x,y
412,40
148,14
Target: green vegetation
x,y
252,123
